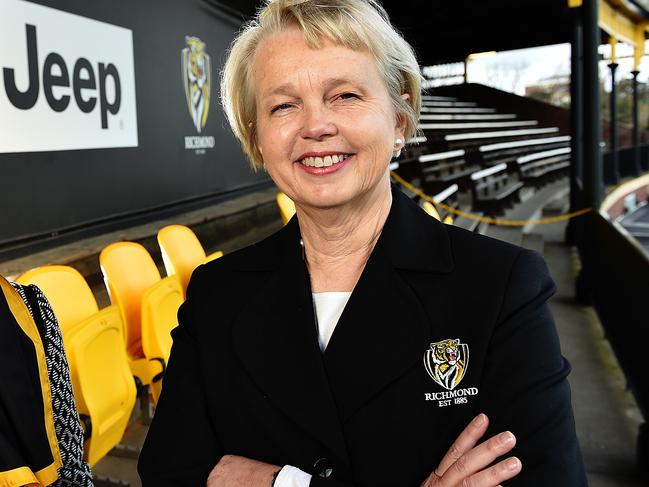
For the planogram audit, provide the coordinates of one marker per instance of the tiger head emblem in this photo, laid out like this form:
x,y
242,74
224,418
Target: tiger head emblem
x,y
446,362
196,72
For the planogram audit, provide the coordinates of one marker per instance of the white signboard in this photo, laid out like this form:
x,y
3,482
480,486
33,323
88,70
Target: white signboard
x,y
66,82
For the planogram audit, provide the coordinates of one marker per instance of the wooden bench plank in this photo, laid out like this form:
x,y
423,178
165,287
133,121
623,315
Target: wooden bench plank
x,y
441,155
488,172
474,116
425,109
476,125
437,98
523,143
433,103
500,133
543,155
444,194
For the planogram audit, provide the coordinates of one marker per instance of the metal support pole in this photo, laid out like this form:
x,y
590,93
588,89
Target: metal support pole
x,y
576,123
636,125
593,174
592,162
613,148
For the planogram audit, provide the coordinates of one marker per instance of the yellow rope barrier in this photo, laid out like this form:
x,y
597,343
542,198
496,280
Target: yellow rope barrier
x,y
487,219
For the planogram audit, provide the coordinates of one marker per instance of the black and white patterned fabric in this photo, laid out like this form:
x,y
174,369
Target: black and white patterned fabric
x,y
74,471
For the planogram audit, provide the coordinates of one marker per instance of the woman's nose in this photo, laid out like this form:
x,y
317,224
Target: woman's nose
x,y
317,124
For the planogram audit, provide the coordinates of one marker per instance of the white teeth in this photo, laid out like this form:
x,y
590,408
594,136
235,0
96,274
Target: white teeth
x,y
324,161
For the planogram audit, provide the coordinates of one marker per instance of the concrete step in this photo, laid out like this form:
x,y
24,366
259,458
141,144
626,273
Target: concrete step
x,y
533,241
559,204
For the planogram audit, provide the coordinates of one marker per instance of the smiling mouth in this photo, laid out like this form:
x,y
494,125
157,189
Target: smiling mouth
x,y
324,161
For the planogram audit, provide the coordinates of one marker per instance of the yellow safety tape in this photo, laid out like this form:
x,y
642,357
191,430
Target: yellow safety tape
x,y
487,219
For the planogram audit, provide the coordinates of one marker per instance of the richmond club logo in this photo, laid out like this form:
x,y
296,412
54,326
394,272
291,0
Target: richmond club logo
x,y
446,362
197,80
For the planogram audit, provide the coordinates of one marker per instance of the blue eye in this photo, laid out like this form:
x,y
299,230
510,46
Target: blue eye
x,y
348,95
282,106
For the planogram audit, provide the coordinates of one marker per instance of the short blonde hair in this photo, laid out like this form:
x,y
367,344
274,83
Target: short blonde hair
x,y
351,23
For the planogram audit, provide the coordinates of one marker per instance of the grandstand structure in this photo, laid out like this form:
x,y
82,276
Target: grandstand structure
x,y
485,160
479,160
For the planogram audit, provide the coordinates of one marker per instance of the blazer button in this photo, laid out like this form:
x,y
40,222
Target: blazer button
x,y
323,467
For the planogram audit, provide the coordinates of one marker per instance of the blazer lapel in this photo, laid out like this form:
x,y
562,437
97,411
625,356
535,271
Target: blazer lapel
x,y
276,339
384,328
378,337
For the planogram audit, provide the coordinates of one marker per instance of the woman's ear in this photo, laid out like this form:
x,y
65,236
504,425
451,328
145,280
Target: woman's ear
x,y
254,136
400,128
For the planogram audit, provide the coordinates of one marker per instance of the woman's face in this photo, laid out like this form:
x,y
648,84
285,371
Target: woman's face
x,y
325,124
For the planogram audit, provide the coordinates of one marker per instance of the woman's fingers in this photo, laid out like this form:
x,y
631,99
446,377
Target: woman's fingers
x,y
472,466
466,464
500,472
467,440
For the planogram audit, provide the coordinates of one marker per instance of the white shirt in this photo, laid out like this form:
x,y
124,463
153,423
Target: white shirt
x,y
328,308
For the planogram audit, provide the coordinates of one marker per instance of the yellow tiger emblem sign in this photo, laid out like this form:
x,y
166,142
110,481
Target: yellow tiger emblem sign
x,y
446,362
196,73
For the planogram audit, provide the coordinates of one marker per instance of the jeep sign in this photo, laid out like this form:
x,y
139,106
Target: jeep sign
x,y
66,82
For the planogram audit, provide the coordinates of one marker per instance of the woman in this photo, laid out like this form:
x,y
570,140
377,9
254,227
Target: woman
x,y
41,442
336,352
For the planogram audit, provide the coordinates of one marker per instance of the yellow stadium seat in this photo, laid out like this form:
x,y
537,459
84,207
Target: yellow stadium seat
x,y
431,210
129,271
212,257
286,207
448,220
182,252
160,305
103,385
67,292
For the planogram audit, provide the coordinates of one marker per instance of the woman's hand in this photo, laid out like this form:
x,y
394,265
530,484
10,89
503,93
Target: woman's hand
x,y
235,471
466,464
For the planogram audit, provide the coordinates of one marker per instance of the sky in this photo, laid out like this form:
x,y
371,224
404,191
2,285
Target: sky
x,y
513,70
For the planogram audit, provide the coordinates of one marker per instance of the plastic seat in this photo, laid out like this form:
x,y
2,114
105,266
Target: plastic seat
x,y
103,385
431,210
67,292
182,252
129,271
160,305
286,207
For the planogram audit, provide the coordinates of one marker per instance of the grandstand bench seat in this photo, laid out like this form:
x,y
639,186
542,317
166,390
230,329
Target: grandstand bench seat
x,y
494,189
434,178
540,172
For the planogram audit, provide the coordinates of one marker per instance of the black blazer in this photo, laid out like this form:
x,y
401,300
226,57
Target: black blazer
x,y
246,375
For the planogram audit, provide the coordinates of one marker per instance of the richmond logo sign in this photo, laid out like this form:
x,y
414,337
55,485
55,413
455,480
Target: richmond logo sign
x,y
67,81
196,71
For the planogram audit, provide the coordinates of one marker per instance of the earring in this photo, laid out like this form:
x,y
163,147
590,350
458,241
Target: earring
x,y
397,147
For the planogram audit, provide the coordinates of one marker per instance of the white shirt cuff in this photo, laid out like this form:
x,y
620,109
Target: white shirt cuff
x,y
292,477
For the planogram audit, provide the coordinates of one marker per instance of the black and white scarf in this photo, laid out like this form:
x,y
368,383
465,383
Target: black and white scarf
x,y
74,471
